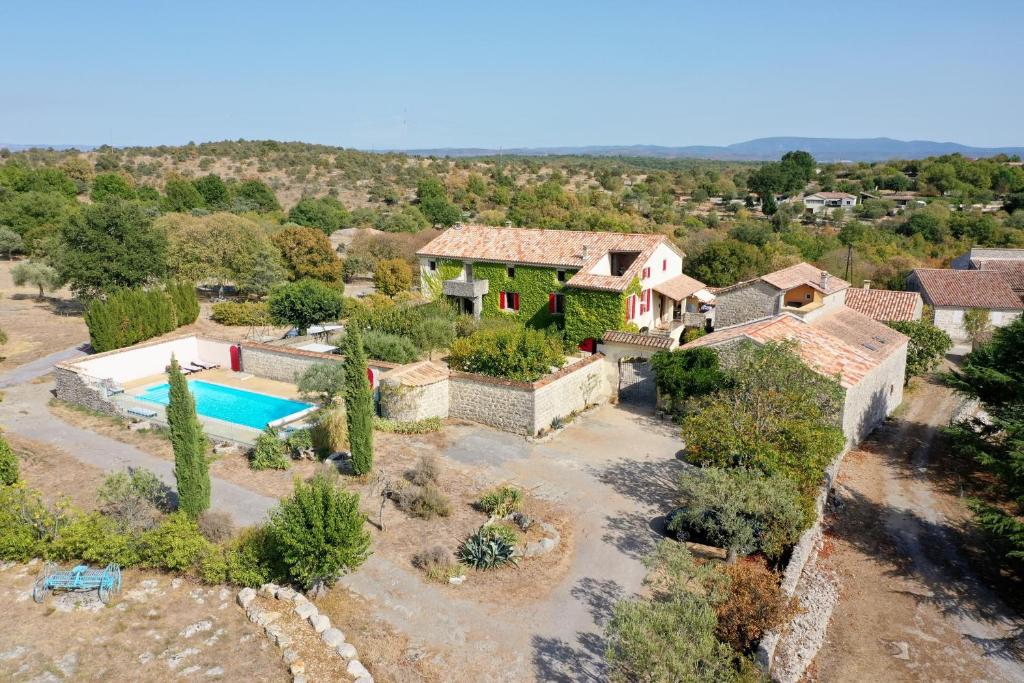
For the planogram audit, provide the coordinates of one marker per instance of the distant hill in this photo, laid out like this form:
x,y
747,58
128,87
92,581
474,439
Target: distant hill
x,y
60,148
761,149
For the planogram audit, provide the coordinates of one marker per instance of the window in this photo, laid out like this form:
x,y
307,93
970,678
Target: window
x,y
664,264
556,303
561,276
508,301
511,271
645,273
432,265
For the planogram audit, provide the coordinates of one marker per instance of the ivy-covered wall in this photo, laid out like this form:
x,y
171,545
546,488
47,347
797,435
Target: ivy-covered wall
x,y
531,283
447,269
589,313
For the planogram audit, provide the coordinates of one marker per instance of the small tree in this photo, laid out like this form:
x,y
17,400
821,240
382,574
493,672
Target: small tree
x,y
35,274
740,510
8,463
323,381
10,242
318,532
976,323
307,253
304,303
358,403
189,443
392,276
926,348
269,452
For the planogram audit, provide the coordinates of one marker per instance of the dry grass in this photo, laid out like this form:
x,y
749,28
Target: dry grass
x,y
233,467
56,473
36,328
73,637
388,654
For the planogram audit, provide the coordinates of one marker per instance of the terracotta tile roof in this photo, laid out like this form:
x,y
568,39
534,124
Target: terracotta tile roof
x,y
553,248
966,288
840,343
883,304
804,274
646,340
1012,270
679,287
417,374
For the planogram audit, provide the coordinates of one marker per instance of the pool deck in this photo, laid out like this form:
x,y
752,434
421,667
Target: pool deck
x,y
217,430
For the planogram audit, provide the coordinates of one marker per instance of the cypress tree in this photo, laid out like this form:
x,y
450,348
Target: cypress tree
x,y
358,402
189,443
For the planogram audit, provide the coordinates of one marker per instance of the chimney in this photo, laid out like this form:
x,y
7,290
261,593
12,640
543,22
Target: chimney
x,y
457,226
824,279
867,284
584,257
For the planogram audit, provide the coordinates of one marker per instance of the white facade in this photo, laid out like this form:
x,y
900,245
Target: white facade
x,y
644,309
951,320
817,202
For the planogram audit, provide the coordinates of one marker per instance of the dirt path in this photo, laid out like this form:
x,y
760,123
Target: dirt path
x,y
911,607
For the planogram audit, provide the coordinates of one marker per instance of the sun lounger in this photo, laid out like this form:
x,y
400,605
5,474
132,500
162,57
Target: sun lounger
x,y
205,365
141,412
195,367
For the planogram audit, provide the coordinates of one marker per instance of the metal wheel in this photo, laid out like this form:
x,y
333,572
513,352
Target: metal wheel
x,y
104,594
38,592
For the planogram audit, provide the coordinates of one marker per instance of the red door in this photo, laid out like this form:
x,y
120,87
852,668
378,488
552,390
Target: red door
x,y
236,358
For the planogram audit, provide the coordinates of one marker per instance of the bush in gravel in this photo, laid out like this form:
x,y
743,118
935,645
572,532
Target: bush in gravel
x,y
134,498
502,531
485,550
216,526
318,532
751,605
426,501
269,452
426,471
95,538
501,501
438,563
176,543
8,463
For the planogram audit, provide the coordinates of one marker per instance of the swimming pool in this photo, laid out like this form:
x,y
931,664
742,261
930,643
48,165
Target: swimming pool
x,y
233,405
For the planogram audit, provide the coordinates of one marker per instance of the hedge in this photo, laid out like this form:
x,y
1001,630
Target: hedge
x,y
129,316
241,313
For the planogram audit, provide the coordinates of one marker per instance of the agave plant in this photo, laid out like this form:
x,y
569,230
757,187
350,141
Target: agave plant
x,y
483,550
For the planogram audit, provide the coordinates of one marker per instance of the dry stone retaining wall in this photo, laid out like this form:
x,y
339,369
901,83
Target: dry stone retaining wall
x,y
71,387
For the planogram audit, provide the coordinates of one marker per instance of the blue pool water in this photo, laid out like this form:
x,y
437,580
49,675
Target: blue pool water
x,y
230,404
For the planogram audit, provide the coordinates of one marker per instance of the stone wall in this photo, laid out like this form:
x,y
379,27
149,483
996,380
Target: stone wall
x,y
410,403
744,302
72,387
498,403
572,389
875,397
282,363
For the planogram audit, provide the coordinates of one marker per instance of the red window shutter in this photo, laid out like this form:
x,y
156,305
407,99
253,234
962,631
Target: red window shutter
x,y
632,306
501,300
664,264
515,301
551,302
648,299
369,376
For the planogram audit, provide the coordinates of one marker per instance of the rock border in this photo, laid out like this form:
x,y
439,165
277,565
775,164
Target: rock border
x,y
332,638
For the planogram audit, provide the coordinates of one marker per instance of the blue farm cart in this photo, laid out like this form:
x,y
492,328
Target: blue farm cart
x,y
80,578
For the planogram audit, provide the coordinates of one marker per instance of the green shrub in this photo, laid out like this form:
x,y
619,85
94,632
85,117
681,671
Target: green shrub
x,y
926,348
269,453
358,403
97,539
741,510
501,501
318,531
686,374
129,316
300,441
424,426
322,382
502,531
241,313
8,463
484,550
134,499
515,353
176,544
389,347
249,560
27,525
184,300
304,303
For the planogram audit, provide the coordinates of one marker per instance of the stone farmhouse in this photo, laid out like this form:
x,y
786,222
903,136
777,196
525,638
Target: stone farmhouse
x,y
868,358
953,292
801,288
826,201
1009,262
586,283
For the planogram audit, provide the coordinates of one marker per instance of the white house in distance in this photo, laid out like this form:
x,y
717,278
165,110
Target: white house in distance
x,y
954,292
826,201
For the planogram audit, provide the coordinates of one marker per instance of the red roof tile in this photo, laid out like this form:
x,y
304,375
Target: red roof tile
x,y
966,288
883,304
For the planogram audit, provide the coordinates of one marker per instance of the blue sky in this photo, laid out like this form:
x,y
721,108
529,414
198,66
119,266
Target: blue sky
x,y
380,75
